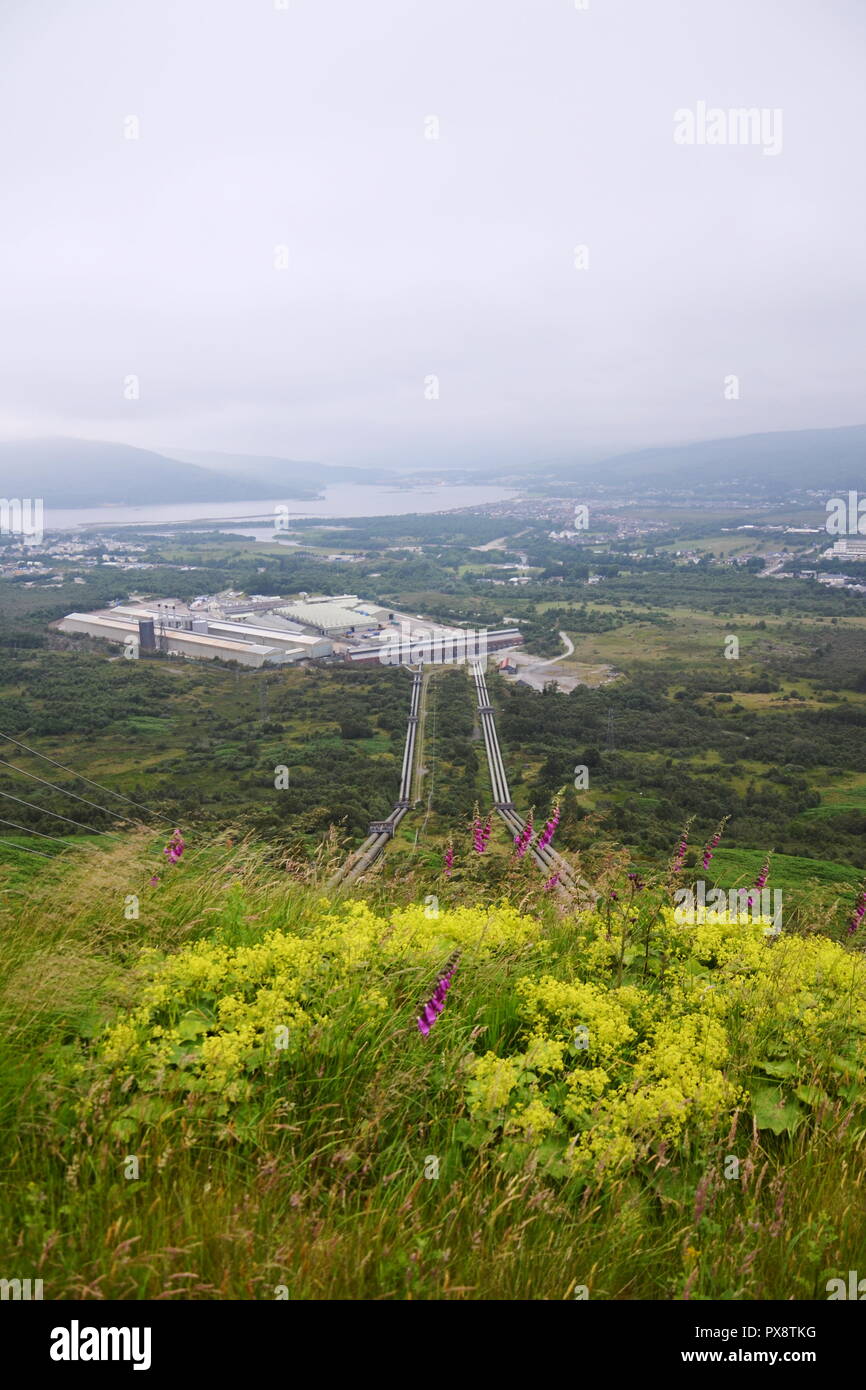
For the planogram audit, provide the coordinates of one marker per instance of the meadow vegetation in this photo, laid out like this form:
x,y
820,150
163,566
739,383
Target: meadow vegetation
x,y
229,1095
213,1083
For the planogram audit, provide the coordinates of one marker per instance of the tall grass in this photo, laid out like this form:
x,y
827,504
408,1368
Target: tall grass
x,y
319,1190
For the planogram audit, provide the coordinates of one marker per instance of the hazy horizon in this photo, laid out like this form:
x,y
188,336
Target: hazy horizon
x,y
229,229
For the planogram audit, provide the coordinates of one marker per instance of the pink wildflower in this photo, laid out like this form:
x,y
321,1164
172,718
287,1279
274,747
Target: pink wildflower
x,y
436,1003
762,878
859,912
549,830
711,844
524,839
682,848
175,847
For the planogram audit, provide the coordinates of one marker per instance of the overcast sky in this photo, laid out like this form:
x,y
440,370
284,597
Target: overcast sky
x,y
409,257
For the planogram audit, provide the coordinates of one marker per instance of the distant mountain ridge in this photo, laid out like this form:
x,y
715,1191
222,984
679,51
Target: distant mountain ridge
x,y
91,473
826,458
278,471
86,473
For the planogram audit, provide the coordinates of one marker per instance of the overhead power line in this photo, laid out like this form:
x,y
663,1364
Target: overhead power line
x,y
63,792
45,812
107,790
39,833
8,844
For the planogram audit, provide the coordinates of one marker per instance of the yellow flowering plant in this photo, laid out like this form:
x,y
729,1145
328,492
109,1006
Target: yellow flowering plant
x,y
586,1059
604,1072
214,1019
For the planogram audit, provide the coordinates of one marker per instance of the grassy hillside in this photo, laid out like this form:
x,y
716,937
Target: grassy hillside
x,y
735,867
214,1086
190,738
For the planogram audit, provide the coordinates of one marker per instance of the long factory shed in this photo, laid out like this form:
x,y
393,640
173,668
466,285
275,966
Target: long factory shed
x,y
179,642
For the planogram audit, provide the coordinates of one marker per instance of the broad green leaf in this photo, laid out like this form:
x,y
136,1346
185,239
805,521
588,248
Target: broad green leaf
x,y
846,1066
779,1067
812,1095
190,1026
694,967
775,1110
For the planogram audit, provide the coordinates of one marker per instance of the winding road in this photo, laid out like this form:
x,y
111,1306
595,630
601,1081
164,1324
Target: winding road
x,y
569,649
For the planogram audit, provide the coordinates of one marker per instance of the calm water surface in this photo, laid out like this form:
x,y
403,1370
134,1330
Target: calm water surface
x,y
340,500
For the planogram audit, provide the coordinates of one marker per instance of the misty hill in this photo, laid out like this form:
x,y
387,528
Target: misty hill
x,y
281,472
784,460
85,473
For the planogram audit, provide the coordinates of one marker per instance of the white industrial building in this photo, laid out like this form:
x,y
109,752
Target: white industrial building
x,y
305,644
373,613
209,648
301,645
848,549
334,617
330,620
115,628
298,630
344,600
366,608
